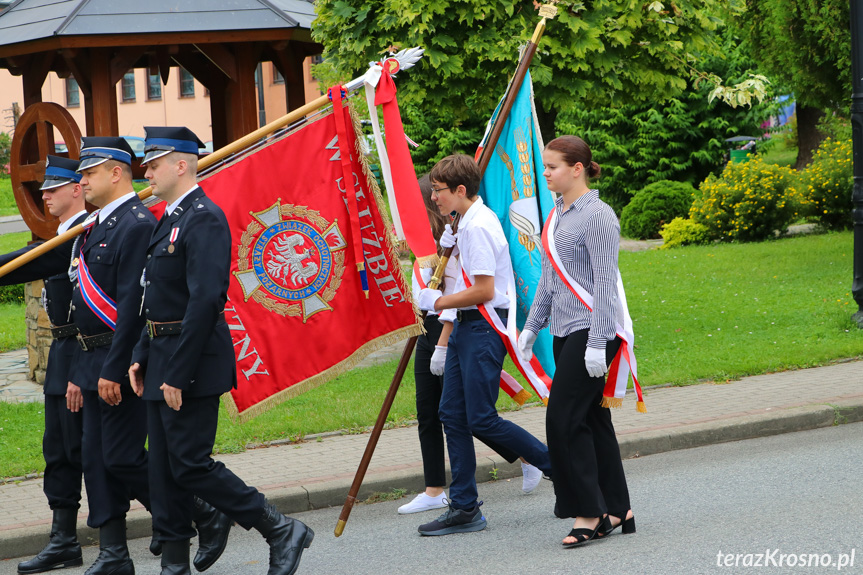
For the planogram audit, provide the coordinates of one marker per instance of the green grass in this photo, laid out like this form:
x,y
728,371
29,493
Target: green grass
x,y
777,152
12,242
13,332
701,313
8,207
725,311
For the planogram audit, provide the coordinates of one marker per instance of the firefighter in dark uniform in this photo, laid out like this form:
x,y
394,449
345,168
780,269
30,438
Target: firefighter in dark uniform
x,y
106,301
61,443
185,360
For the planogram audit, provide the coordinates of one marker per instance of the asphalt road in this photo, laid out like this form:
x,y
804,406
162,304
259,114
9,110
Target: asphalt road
x,y
786,495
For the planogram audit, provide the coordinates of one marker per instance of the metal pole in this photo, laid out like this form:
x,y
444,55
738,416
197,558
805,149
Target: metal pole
x,y
857,138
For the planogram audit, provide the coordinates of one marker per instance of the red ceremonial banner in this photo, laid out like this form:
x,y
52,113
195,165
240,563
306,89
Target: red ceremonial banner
x,y
296,307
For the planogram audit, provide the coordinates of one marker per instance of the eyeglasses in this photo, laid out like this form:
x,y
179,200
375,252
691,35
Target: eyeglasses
x,y
439,190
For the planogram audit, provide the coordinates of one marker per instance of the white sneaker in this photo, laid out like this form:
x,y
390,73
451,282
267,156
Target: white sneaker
x,y
530,477
423,502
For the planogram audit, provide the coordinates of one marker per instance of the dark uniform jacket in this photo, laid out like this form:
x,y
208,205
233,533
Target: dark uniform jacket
x,y
187,280
53,267
115,252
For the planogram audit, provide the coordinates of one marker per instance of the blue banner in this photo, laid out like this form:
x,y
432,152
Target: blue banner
x,y
513,187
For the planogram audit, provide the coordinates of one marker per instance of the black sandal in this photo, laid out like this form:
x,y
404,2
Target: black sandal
x,y
628,525
583,535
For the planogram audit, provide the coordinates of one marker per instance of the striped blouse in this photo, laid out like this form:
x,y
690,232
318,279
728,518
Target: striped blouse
x,y
587,236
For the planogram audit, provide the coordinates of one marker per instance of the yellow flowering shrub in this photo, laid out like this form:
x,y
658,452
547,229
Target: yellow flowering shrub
x,y
749,201
827,183
683,232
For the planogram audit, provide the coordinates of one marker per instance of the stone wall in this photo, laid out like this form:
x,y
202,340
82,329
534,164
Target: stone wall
x,y
38,331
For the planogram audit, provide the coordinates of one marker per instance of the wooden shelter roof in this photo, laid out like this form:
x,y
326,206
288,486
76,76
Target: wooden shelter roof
x,y
33,20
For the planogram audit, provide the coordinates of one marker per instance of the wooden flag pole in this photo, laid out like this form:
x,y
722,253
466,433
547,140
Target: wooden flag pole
x,y
546,11
406,59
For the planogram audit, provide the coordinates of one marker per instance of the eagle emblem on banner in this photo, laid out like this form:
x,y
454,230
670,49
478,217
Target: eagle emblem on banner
x,y
291,260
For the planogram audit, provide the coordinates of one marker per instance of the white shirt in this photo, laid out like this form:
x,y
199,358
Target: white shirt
x,y
64,226
450,274
484,251
109,209
170,209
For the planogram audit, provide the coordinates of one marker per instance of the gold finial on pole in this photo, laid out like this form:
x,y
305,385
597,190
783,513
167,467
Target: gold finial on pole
x,y
546,11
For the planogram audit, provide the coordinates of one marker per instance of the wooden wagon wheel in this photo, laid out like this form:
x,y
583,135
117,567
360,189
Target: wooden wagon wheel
x,y
33,141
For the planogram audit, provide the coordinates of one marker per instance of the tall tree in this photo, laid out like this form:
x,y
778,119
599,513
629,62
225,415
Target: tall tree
x,y
806,46
594,51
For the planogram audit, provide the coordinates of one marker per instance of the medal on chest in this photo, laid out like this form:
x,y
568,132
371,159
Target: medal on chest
x,y
174,233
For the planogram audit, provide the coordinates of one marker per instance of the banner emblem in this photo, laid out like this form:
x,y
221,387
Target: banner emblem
x,y
291,260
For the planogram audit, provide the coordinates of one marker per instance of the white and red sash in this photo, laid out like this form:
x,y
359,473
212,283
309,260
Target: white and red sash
x,y
96,299
531,370
507,382
624,362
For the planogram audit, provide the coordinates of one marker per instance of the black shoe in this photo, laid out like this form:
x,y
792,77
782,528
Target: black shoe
x,y
155,544
455,521
627,524
63,549
175,558
287,537
213,529
113,554
582,535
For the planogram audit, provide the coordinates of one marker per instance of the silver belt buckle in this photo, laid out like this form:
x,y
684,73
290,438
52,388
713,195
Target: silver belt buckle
x,y
81,341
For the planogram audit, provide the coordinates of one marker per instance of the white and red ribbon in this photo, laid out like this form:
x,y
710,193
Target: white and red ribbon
x,y
507,382
532,370
624,362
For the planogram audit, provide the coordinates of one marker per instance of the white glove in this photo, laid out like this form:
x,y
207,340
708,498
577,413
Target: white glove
x,y
438,360
525,344
448,239
427,297
594,361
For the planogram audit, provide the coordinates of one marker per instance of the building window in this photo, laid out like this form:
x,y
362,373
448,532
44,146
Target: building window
x,y
73,96
154,87
128,84
187,84
277,76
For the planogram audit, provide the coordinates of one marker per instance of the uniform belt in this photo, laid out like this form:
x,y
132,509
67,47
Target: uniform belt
x,y
61,331
159,328
91,342
464,315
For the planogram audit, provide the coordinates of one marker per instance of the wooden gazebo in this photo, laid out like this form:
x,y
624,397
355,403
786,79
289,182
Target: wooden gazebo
x,y
98,41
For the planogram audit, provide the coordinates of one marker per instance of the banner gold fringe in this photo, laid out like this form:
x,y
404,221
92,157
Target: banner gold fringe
x,y
522,396
641,407
310,383
429,261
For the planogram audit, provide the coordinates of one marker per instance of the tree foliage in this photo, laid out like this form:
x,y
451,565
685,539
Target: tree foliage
x,y
806,47
593,52
682,138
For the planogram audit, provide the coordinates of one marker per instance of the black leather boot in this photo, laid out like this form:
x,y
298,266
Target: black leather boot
x,y
175,558
213,529
287,537
113,554
63,549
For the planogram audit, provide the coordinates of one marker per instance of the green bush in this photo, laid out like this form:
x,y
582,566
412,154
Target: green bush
x,y
748,202
683,232
12,293
827,183
655,205
5,152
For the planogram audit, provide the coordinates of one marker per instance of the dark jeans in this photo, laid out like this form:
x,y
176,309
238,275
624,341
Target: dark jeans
x,y
181,444
61,447
471,386
585,458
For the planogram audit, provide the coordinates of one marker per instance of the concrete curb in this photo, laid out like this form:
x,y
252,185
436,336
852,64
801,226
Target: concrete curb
x,y
29,540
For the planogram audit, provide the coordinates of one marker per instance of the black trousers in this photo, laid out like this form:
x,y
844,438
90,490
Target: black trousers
x,y
585,458
181,445
61,447
428,391
113,455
